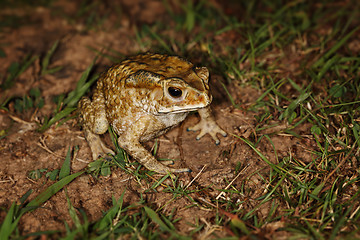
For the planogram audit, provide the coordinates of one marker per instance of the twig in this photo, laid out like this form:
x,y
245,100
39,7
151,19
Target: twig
x,y
341,163
197,175
228,186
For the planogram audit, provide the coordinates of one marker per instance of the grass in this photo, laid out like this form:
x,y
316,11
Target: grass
x,y
313,200
117,221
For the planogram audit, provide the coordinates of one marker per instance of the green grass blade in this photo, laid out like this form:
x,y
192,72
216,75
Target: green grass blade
x,y
292,106
72,98
267,197
27,64
279,83
53,174
65,169
327,65
46,61
155,218
158,38
107,220
240,224
81,87
8,226
341,42
15,70
25,196
273,166
339,223
49,192
72,212
356,132
57,117
317,190
159,182
313,231
229,96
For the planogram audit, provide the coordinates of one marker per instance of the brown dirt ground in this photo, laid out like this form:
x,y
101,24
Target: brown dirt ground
x,y
24,149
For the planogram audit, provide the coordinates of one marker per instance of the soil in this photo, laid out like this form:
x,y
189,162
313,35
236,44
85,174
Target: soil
x,y
25,149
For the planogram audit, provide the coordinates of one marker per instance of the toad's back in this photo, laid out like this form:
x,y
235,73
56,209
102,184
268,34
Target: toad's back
x,y
162,65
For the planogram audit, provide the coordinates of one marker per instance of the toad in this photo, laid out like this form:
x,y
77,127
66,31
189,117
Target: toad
x,y
143,97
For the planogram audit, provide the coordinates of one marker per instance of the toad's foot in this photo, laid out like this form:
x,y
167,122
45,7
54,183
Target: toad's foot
x,y
167,162
162,169
98,148
208,125
137,151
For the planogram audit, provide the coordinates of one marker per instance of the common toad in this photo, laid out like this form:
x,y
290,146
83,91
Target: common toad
x,y
143,97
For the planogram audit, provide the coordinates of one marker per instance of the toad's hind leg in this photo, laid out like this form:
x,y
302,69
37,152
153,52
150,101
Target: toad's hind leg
x,y
92,114
93,118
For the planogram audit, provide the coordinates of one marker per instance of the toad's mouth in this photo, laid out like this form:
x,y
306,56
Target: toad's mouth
x,y
176,109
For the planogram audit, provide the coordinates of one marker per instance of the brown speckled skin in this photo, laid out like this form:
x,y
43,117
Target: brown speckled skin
x,y
135,98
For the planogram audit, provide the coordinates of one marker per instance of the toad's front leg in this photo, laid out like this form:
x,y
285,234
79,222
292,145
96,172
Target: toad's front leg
x,y
129,141
208,125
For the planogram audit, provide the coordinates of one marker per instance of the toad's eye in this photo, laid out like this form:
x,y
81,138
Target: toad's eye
x,y
175,92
